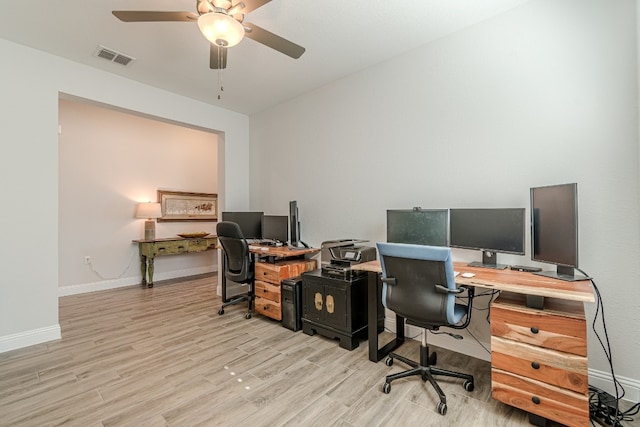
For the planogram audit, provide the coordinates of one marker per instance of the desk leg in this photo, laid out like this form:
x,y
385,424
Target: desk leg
x,y
150,269
143,269
374,295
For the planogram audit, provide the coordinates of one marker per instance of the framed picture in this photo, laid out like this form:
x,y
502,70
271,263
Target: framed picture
x,y
185,206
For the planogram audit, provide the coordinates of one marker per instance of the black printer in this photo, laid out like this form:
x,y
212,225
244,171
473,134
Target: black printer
x,y
337,257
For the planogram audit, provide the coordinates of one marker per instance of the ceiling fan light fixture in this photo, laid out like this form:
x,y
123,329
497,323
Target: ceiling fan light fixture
x,y
221,29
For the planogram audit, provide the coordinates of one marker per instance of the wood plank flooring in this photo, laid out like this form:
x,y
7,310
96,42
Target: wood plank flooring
x,y
163,357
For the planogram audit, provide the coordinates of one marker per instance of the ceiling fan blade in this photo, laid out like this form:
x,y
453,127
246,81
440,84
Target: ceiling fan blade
x,y
218,57
273,41
153,16
250,5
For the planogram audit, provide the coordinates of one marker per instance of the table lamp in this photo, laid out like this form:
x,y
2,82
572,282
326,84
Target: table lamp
x,y
151,211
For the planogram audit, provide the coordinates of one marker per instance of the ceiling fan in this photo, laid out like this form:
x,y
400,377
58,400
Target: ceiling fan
x,y
222,23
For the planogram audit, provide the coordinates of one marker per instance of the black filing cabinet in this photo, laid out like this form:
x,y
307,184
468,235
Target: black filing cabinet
x,y
334,307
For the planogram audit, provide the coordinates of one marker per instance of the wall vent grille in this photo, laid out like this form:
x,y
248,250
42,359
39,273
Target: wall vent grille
x,y
113,56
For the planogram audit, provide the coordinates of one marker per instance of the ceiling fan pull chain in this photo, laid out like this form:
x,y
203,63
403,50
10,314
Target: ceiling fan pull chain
x,y
220,73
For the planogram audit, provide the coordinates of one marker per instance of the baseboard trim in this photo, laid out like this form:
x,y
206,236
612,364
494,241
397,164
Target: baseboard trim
x,y
131,281
603,381
28,338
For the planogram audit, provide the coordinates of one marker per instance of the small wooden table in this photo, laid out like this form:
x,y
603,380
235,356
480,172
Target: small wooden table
x,y
149,249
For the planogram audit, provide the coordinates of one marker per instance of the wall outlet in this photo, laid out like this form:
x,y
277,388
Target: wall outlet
x,y
87,259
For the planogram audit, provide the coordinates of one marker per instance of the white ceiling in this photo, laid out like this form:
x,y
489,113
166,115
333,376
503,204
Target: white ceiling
x,y
340,37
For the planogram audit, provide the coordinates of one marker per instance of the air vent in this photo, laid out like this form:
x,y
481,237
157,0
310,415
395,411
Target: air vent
x,y
113,56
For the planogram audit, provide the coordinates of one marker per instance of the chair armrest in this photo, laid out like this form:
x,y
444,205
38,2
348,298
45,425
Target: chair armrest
x,y
446,290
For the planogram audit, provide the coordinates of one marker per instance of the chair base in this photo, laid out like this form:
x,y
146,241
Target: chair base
x,y
426,371
249,297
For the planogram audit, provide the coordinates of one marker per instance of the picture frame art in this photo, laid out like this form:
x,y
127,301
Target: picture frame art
x,y
187,206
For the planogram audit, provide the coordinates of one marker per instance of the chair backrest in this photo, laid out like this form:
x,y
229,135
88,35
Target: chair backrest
x,y
410,275
235,250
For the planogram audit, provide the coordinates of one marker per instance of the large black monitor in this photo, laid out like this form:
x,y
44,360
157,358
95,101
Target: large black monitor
x,y
554,229
275,228
489,230
250,223
418,226
294,225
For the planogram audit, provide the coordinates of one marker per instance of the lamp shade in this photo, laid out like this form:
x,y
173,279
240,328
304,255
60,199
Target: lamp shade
x,y
221,29
148,210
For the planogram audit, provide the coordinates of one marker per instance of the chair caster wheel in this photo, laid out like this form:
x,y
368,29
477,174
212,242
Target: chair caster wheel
x,y
221,311
442,408
389,361
247,316
386,388
468,385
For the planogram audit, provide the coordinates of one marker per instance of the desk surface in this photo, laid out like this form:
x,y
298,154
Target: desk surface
x,y
281,251
511,281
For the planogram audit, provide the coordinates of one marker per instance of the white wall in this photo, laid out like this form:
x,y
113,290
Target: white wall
x,y
30,85
108,162
544,94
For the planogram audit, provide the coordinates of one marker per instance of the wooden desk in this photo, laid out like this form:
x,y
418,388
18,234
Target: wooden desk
x,y
149,249
268,288
538,356
276,252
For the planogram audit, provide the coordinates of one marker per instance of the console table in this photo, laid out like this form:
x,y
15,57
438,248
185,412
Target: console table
x,y
149,249
538,355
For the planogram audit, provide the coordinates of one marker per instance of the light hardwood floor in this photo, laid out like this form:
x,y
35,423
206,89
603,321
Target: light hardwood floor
x,y
163,357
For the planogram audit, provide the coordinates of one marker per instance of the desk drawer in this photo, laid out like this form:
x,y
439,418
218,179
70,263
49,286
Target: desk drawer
x,y
268,308
167,248
560,326
281,270
551,402
198,245
552,367
268,291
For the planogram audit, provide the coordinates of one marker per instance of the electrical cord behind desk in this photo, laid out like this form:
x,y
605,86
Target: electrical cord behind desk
x,y
604,408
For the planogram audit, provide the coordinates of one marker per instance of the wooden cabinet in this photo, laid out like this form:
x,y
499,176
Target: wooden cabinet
x,y
268,277
539,358
334,307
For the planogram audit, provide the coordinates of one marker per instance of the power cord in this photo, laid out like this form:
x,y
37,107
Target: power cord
x,y
94,271
603,407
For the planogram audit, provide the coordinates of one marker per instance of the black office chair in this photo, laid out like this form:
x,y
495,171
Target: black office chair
x,y
238,262
419,285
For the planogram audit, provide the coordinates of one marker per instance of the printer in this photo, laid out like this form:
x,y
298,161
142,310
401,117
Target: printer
x,y
337,257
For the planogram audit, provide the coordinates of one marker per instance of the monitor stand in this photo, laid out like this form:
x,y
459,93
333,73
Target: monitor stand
x,y
562,273
488,261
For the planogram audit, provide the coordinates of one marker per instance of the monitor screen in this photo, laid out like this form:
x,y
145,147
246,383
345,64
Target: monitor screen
x,y
554,226
275,227
250,223
418,226
489,230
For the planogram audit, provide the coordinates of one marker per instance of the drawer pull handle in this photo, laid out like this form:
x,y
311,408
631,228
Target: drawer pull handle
x,y
536,400
535,365
534,330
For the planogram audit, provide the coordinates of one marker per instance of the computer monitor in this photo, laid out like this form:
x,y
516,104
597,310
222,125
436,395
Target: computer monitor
x,y
554,229
276,228
418,226
294,223
250,223
498,230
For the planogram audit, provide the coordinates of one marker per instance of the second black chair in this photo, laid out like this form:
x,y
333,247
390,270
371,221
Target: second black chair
x,y
238,262
419,285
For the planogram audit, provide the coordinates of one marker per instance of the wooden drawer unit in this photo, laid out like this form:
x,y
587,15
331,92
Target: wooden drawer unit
x,y
539,358
268,278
